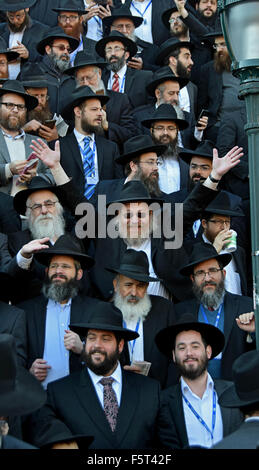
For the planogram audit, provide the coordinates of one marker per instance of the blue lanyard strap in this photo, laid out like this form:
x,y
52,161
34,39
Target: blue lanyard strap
x,y
141,14
217,317
132,343
211,432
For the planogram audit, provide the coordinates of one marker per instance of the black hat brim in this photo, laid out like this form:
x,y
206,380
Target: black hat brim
x,y
224,259
73,42
45,256
127,157
166,51
128,43
151,87
20,199
68,111
82,329
230,398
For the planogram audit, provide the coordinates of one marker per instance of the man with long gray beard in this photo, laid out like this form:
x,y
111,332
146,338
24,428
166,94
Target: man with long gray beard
x,y
142,312
216,306
54,350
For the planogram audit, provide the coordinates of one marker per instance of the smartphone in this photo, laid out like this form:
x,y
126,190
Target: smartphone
x,y
204,112
50,123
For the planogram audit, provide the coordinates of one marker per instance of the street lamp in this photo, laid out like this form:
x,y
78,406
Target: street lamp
x,y
240,26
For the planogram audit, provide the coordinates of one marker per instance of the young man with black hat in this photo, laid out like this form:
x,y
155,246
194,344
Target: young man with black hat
x,y
197,419
215,305
120,409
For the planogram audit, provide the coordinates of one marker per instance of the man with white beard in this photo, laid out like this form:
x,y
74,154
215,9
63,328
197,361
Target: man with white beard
x,y
143,313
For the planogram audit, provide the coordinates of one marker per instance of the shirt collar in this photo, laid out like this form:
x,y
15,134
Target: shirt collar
x,y
19,136
116,375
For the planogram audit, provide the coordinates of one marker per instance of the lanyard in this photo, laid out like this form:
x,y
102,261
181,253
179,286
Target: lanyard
x,y
132,343
217,317
200,418
142,14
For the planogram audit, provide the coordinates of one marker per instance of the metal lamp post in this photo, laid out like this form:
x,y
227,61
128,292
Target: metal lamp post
x,y
240,26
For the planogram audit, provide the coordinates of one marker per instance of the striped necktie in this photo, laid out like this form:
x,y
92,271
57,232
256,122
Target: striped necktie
x,y
110,404
115,85
88,164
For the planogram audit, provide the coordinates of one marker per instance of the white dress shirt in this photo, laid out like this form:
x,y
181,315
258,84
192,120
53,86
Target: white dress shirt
x,y
116,384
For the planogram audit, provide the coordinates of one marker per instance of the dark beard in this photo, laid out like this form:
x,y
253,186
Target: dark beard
x,y
208,299
103,368
40,115
18,29
116,66
222,62
182,71
190,373
59,292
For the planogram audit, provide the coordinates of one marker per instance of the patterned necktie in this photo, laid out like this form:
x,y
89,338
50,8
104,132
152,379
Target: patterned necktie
x,y
115,85
110,403
88,164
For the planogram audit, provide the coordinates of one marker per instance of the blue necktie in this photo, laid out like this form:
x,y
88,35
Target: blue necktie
x,y
88,164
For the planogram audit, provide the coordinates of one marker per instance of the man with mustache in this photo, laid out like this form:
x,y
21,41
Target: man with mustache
x,y
197,419
213,304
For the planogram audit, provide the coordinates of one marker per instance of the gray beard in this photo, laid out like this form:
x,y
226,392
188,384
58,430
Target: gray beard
x,y
210,299
53,227
132,312
59,292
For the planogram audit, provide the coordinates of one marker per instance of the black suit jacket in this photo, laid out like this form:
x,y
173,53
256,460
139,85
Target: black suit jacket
x,y
173,403
235,338
73,408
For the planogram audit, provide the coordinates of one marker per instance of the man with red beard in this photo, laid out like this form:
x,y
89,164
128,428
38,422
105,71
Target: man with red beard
x,y
218,88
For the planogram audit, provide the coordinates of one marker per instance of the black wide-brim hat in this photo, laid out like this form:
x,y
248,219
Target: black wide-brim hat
x,y
105,317
134,265
55,33
32,76
14,86
116,36
37,183
122,12
203,252
165,112
204,149
164,74
135,191
245,389
20,392
170,45
226,203
66,245
85,59
165,339
14,5
77,97
136,146
10,55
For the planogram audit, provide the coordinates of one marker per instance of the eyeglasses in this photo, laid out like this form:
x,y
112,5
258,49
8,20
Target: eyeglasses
x,y
11,106
63,48
202,274
219,45
220,223
110,50
152,163
163,128
71,19
38,207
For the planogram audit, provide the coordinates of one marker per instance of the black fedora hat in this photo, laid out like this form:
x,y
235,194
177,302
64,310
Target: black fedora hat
x,y
32,76
164,74
116,36
10,55
204,149
79,95
36,184
107,317
202,252
66,245
14,5
55,33
136,146
20,391
84,59
70,5
226,203
14,86
165,112
134,264
245,389
170,45
122,12
165,339
135,191
166,15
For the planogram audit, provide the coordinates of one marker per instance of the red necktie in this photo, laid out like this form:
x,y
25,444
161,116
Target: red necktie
x,y
115,85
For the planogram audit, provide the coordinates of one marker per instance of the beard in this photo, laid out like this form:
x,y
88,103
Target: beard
x,y
41,114
102,368
222,62
60,291
61,63
192,372
116,66
130,311
11,124
211,298
18,29
52,226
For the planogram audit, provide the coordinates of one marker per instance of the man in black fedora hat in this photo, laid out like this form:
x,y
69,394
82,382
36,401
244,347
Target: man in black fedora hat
x,y
60,303
117,119
116,49
21,33
197,419
214,304
15,143
142,312
244,395
119,408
